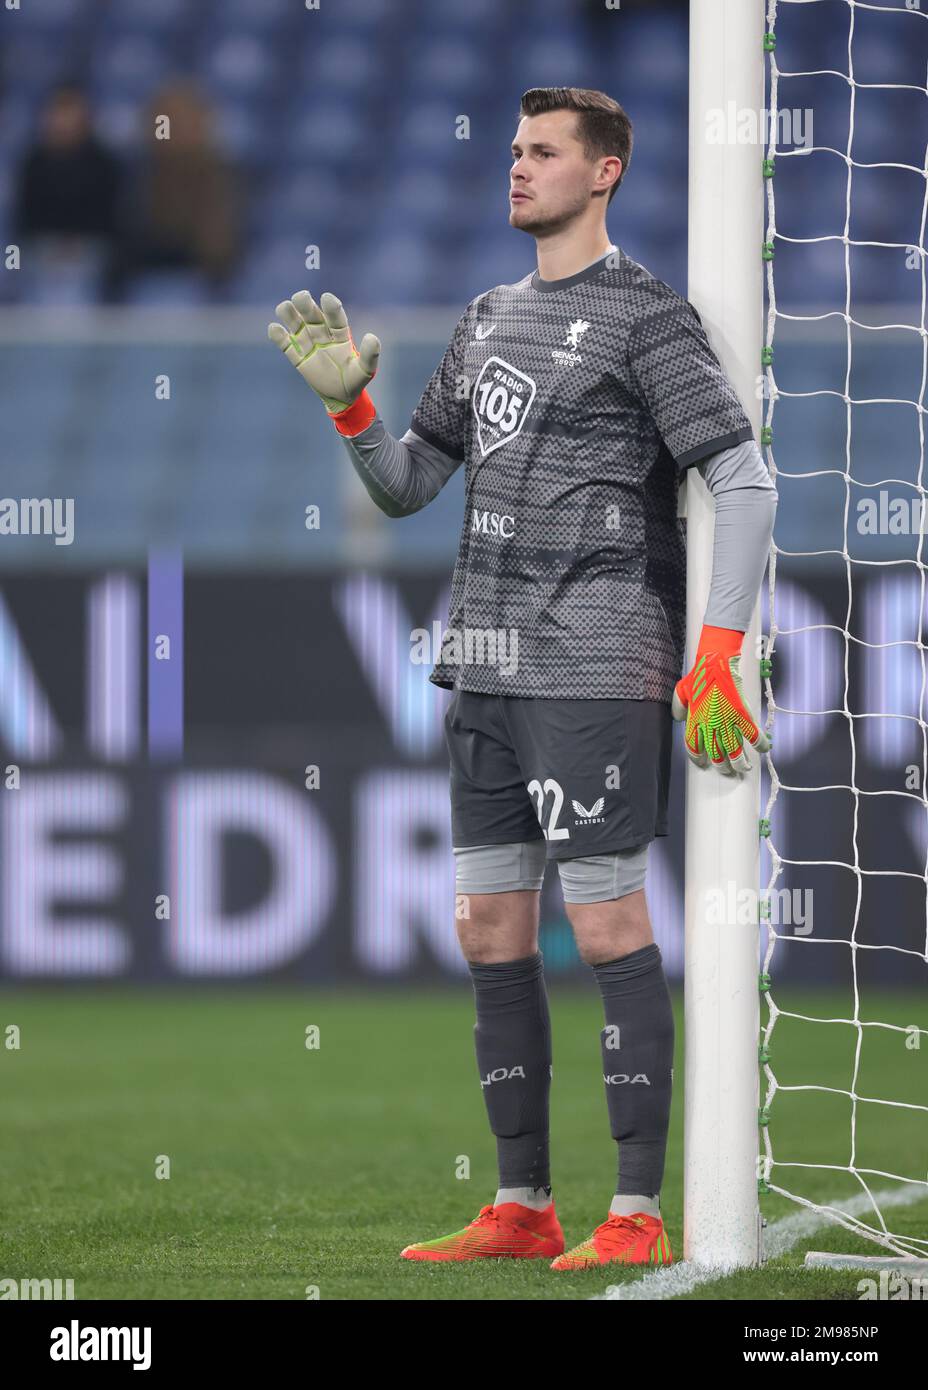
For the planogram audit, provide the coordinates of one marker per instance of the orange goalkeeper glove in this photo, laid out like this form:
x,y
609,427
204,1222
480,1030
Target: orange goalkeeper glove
x,y
711,700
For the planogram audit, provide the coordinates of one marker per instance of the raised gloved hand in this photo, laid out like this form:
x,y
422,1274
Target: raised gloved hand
x,y
711,699
317,340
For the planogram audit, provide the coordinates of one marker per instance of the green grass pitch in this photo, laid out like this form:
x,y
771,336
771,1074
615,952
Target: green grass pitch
x,y
293,1169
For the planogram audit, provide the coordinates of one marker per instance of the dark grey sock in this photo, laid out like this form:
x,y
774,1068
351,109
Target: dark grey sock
x,y
513,1041
637,1047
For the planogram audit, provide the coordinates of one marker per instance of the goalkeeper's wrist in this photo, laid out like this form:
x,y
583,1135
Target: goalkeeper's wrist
x,y
356,417
725,640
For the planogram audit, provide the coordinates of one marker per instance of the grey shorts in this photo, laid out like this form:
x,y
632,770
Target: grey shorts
x,y
584,777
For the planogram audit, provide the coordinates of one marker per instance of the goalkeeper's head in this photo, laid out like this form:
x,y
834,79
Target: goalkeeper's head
x,y
570,153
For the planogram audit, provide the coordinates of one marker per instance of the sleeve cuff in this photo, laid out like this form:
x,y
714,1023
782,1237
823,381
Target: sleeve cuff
x,y
356,418
435,440
714,446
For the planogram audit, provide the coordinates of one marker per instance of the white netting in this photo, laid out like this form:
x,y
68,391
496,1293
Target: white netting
x,y
894,704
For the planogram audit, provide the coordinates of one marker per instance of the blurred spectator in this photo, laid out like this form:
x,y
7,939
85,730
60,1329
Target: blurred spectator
x,y
65,201
184,212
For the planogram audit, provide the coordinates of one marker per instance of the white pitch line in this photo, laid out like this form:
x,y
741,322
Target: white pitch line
x,y
782,1236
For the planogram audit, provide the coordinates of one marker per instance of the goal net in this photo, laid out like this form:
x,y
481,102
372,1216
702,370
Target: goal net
x,y
845,811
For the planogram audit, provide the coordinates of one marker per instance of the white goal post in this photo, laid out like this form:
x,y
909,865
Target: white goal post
x,y
722,1223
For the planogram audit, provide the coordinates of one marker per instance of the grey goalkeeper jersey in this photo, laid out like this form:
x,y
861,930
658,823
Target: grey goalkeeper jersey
x,y
574,405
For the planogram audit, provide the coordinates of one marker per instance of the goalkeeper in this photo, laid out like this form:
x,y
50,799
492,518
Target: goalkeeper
x,y
575,399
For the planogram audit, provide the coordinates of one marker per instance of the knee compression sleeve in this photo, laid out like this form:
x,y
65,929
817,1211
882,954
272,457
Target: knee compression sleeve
x,y
499,868
601,877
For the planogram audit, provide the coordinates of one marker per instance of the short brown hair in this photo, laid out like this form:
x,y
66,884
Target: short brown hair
x,y
603,126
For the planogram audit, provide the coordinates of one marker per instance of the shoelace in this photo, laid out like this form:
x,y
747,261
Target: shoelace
x,y
489,1216
622,1230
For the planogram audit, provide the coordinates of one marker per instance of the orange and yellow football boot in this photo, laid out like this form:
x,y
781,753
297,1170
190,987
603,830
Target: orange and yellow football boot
x,y
638,1239
507,1231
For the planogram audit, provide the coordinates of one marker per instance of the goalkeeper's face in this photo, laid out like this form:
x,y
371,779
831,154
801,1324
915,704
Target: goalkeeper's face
x,y
551,182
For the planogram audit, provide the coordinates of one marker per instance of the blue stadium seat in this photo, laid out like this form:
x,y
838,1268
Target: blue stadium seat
x,y
142,16
429,128
337,65
272,270
651,51
55,19
17,128
239,63
30,63
555,61
309,202
245,15
118,121
361,16
128,65
449,65
424,196
326,132
241,128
